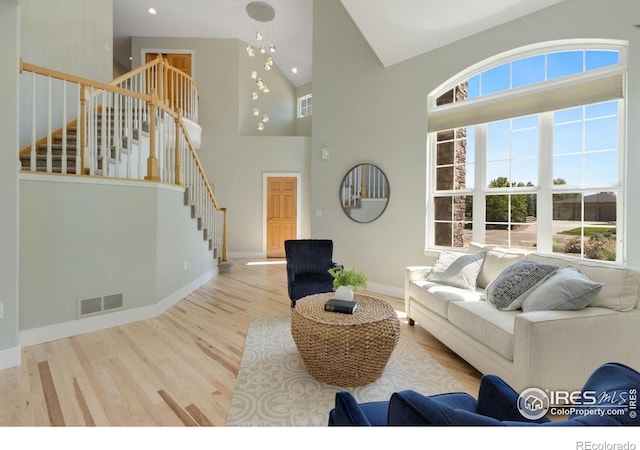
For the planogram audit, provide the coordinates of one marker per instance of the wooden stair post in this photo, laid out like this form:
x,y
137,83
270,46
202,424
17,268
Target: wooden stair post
x,y
153,172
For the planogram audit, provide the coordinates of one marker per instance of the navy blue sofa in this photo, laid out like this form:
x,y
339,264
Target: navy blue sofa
x,y
608,400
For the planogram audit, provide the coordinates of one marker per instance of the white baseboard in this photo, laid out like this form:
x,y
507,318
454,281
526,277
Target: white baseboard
x,y
117,318
383,289
10,357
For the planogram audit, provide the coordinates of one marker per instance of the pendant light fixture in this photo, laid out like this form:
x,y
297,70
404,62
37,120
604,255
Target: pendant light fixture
x,y
263,47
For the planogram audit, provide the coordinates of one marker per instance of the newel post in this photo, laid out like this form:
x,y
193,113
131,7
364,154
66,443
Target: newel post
x,y
153,172
224,234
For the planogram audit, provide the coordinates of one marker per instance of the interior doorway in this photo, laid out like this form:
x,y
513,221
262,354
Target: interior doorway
x,y
281,213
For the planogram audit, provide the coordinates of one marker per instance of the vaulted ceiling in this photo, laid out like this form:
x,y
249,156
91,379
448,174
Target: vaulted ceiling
x,y
395,29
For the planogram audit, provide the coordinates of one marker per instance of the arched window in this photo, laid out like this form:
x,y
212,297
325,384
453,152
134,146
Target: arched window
x,y
526,150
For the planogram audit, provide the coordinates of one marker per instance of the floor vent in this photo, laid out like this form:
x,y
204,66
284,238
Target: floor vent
x,y
97,305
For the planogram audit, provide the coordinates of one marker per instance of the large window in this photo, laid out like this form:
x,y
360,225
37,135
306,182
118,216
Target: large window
x,y
526,152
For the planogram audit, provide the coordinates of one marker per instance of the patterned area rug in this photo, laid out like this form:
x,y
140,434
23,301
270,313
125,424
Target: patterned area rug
x,y
274,389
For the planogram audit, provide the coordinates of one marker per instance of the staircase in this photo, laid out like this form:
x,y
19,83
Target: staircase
x,y
73,162
127,134
57,154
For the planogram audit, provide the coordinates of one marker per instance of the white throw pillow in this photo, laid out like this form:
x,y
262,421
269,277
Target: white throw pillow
x,y
457,269
495,261
567,290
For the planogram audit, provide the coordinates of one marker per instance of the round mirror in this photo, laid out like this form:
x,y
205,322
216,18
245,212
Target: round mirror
x,y
364,193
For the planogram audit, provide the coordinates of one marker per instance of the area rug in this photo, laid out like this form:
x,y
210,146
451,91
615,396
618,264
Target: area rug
x,y
274,389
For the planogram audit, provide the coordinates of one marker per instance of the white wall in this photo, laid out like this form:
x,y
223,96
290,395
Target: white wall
x,y
73,36
89,238
365,113
234,163
9,187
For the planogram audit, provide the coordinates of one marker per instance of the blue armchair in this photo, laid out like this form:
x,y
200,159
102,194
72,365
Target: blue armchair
x,y
612,384
308,264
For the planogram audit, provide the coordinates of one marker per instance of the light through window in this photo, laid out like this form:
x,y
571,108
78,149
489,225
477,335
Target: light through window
x,y
541,172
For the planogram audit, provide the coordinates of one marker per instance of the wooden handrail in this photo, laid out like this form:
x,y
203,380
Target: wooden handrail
x,y
135,72
82,81
194,155
182,74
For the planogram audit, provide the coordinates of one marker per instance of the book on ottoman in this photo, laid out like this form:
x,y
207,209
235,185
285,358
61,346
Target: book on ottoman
x,y
341,306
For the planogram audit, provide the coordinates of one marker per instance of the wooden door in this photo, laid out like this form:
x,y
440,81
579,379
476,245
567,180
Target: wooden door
x,y
282,213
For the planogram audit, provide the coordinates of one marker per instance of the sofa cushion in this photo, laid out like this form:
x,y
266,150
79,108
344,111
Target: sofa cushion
x,y
511,287
457,269
486,324
437,296
495,261
566,290
622,284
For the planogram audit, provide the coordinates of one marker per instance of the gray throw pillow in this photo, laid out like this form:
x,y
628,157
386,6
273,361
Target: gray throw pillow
x,y
456,269
567,290
511,287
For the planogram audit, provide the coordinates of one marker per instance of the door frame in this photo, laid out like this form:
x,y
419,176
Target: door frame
x,y
266,175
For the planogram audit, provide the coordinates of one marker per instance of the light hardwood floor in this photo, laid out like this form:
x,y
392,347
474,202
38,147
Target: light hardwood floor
x,y
176,369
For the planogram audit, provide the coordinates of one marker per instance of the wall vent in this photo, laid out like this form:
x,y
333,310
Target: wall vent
x,y
90,306
97,305
112,302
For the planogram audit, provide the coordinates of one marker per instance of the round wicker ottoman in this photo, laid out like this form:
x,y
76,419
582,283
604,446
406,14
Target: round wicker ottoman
x,y
345,349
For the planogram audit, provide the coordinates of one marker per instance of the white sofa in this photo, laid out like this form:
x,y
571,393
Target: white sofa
x,y
545,349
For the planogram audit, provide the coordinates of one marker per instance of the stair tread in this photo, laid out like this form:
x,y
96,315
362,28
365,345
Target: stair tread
x,y
41,157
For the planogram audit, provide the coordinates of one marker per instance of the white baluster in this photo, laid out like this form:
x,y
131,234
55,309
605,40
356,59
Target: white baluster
x,y
79,143
49,127
117,131
32,159
64,126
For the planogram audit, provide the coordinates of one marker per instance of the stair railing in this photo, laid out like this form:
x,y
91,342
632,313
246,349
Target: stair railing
x,y
176,89
137,107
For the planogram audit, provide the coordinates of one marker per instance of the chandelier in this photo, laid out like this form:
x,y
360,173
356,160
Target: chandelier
x,y
262,48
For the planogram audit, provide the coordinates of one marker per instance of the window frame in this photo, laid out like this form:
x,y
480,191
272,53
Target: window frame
x,y
306,110
545,189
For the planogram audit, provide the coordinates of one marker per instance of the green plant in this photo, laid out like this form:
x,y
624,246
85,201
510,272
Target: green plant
x,y
600,247
347,277
574,245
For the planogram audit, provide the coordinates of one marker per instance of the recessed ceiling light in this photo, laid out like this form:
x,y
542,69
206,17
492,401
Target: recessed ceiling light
x,y
294,69
152,11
